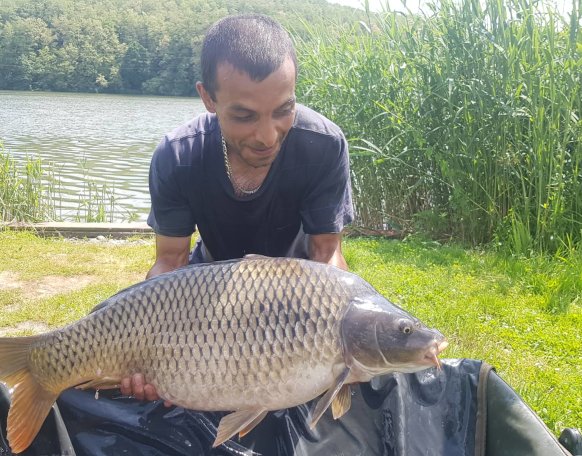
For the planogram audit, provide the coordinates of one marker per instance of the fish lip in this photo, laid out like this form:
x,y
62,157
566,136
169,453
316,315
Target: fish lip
x,y
442,345
431,356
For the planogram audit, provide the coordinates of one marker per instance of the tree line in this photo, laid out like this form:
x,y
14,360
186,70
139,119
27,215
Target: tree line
x,y
126,46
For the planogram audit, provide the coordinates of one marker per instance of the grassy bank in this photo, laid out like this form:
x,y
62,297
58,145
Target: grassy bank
x,y
515,314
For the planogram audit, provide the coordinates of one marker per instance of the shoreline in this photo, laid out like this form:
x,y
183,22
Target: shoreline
x,y
82,230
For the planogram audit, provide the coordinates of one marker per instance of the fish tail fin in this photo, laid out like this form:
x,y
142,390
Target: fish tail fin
x,y
14,358
31,403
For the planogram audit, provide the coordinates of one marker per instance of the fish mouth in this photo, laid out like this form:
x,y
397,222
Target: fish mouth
x,y
432,355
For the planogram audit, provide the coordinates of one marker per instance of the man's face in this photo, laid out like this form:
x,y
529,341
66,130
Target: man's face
x,y
254,116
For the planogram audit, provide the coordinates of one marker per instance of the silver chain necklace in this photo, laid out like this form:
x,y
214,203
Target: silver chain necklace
x,y
237,188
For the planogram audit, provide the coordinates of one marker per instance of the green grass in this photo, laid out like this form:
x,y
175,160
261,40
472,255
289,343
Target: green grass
x,y
106,268
491,307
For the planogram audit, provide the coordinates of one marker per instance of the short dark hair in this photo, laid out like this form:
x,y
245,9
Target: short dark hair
x,y
253,43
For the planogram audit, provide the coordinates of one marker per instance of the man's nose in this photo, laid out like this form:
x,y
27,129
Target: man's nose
x,y
266,133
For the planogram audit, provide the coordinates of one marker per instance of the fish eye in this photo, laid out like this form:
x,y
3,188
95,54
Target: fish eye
x,y
405,327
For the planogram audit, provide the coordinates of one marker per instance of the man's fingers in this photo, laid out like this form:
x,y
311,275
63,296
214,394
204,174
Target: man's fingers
x,y
150,393
125,386
137,387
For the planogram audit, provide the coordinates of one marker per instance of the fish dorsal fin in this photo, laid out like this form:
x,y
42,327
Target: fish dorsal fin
x,y
241,422
256,256
328,397
342,402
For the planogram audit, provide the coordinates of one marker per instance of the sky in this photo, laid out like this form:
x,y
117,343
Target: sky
x,y
378,5
564,6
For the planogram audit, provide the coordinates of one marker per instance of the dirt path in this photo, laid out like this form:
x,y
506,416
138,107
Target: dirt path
x,y
37,289
45,287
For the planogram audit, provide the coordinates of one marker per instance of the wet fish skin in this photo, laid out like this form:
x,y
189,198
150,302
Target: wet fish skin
x,y
246,336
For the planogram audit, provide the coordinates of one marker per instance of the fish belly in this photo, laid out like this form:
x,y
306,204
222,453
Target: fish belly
x,y
268,390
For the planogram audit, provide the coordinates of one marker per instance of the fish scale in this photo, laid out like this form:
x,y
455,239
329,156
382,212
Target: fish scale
x,y
244,336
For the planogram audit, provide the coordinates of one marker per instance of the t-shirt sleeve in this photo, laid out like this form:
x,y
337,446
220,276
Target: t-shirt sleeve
x,y
327,206
170,213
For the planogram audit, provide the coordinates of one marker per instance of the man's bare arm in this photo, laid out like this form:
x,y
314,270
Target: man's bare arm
x,y
171,253
327,248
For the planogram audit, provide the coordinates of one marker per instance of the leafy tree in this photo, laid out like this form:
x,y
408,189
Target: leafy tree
x,y
132,46
25,53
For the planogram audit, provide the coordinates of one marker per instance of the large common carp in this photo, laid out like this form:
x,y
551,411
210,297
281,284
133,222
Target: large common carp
x,y
245,336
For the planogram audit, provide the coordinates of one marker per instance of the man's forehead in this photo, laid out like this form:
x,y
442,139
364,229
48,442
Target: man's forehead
x,y
235,89
236,106
226,70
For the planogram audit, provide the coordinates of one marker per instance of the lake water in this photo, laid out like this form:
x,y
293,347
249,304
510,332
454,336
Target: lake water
x,y
99,138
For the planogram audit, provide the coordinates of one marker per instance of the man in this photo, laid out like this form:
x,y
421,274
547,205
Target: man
x,y
258,173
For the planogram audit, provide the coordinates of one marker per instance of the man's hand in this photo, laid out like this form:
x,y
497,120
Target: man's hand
x,y
137,387
327,248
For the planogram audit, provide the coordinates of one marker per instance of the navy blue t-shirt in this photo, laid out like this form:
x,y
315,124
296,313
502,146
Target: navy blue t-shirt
x,y
308,185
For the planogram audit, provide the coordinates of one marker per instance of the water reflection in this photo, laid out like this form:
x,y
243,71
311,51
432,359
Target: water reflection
x,y
104,139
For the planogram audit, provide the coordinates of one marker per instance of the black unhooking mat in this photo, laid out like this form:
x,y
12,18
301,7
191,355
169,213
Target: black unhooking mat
x,y
464,409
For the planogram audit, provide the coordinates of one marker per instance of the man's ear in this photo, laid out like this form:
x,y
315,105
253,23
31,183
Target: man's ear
x,y
206,98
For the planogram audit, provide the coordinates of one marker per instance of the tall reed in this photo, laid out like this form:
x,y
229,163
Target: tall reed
x,y
464,123
96,203
21,190
31,192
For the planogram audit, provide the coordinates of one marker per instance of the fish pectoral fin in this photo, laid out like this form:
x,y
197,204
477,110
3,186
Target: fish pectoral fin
x,y
252,424
328,398
342,402
100,383
242,422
